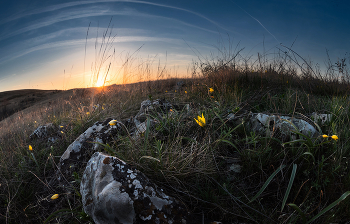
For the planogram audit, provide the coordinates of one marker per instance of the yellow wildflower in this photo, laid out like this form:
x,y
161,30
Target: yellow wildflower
x,y
325,136
87,113
30,148
201,120
211,90
112,122
62,132
185,91
335,137
55,196
61,126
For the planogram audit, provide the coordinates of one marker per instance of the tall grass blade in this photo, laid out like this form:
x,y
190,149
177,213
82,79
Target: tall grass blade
x,y
150,157
228,142
296,208
329,207
147,131
267,183
309,153
291,180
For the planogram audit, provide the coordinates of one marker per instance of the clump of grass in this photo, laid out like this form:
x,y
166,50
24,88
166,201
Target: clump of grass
x,y
214,165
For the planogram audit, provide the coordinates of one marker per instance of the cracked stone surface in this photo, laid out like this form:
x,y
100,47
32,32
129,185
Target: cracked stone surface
x,y
79,152
43,131
86,144
114,192
324,118
282,126
279,126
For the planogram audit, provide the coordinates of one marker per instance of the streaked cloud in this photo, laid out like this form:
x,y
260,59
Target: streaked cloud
x,y
71,4
81,42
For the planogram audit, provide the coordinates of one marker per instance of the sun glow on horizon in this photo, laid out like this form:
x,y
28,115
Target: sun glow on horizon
x,y
99,83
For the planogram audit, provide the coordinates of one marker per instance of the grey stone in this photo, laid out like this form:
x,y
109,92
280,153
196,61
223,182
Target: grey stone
x,y
86,144
114,192
324,118
43,131
282,127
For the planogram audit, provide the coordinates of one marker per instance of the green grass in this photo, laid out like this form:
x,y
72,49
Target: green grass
x,y
279,183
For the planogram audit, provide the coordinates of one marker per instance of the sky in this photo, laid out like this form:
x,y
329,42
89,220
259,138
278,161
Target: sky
x,y
61,44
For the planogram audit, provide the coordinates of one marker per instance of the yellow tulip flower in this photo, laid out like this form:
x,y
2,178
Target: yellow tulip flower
x,y
201,120
55,196
112,122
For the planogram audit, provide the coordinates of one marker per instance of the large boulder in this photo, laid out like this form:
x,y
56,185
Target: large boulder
x,y
114,192
279,126
80,151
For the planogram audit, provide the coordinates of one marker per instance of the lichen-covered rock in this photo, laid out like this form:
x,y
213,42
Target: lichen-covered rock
x,y
154,106
86,144
324,118
282,127
114,192
43,131
47,133
157,108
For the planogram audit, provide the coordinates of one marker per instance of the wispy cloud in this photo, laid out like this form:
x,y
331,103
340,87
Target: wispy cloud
x,y
71,4
90,12
73,14
81,42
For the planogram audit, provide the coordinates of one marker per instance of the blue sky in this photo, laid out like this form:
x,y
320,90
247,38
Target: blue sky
x,y
44,44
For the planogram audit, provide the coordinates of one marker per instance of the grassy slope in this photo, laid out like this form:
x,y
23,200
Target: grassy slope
x,y
193,160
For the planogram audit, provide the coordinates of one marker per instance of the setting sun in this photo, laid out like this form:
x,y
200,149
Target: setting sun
x,y
99,82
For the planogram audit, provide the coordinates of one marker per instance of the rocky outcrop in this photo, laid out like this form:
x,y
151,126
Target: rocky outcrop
x,y
47,132
323,118
80,151
114,192
279,126
93,139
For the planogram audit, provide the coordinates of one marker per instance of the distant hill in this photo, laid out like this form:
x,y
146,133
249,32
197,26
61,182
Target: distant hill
x,y
17,100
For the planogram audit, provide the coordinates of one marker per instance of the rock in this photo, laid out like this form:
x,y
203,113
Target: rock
x,y
280,126
86,144
324,118
79,152
179,85
43,131
154,106
157,108
47,132
114,192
